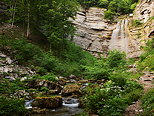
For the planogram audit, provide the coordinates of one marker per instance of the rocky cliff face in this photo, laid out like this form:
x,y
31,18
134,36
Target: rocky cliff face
x,y
93,32
138,36
144,10
96,35
145,13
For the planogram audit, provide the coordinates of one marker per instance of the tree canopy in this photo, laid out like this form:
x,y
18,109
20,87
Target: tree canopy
x,y
50,17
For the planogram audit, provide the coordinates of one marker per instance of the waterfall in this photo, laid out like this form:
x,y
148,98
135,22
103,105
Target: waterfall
x,y
28,104
119,38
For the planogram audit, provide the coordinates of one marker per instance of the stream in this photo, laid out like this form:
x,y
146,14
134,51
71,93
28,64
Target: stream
x,y
69,108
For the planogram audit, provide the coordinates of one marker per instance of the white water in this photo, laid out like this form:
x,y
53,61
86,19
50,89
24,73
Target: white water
x,y
28,104
73,103
119,39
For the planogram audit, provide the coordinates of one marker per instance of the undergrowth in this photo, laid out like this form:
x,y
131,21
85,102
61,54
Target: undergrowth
x,y
148,104
12,107
68,62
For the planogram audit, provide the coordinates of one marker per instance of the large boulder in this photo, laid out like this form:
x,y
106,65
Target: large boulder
x,y
48,102
71,89
38,83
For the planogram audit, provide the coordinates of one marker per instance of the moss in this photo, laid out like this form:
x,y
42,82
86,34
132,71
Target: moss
x,y
48,97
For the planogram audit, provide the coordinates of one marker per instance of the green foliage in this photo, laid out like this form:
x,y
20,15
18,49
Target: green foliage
x,y
133,96
111,99
109,14
147,58
51,18
119,78
116,59
151,18
136,23
7,87
100,70
133,6
114,7
105,66
103,3
45,89
12,107
50,77
148,104
66,62
88,3
82,114
114,107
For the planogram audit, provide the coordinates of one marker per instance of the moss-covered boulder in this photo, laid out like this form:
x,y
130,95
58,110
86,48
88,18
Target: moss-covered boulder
x,y
38,83
71,89
48,102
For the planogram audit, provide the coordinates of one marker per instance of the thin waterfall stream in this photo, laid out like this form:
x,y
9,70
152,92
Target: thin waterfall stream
x,y
119,38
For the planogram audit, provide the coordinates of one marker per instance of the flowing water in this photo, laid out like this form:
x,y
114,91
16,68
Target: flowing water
x,y
69,108
119,39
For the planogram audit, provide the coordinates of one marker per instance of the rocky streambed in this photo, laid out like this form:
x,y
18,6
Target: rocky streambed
x,y
62,97
44,97
70,106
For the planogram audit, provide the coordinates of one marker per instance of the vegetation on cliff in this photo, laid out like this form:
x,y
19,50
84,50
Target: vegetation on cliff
x,y
58,56
114,7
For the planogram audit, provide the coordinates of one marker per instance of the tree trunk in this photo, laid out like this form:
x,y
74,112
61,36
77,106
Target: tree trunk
x,y
28,21
13,13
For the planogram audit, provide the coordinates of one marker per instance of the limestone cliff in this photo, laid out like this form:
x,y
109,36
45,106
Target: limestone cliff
x,y
138,36
93,32
97,36
144,10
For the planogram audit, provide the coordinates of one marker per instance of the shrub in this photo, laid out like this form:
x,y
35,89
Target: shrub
x,y
111,99
133,6
148,103
116,59
100,70
88,3
103,3
133,96
109,15
136,23
50,77
146,61
114,107
45,89
105,66
12,107
65,62
119,78
82,114
7,87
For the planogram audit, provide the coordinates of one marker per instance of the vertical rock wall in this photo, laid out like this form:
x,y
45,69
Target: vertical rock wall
x,y
140,34
144,10
93,32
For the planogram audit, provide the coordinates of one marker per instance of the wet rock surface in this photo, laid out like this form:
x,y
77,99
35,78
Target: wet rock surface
x,y
71,89
52,86
48,102
62,111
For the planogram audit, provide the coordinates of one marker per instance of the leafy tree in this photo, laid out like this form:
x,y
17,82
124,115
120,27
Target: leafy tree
x,y
51,17
103,3
54,22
